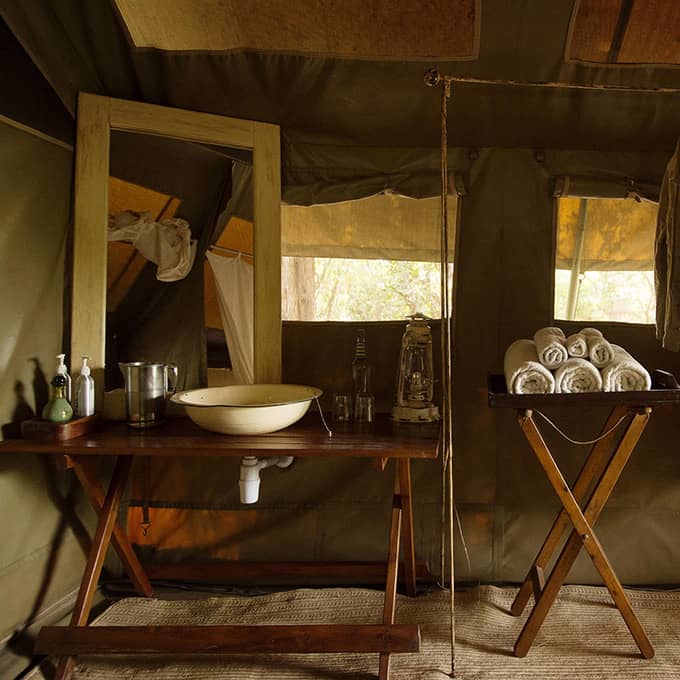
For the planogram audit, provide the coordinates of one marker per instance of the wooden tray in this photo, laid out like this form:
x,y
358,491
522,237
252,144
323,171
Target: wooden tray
x,y
664,391
44,430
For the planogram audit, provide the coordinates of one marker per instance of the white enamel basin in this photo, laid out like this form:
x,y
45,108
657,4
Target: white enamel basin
x,y
247,409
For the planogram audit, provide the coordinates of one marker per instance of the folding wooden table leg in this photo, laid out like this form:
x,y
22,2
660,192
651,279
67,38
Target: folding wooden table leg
x,y
95,561
595,463
408,545
583,533
119,539
392,573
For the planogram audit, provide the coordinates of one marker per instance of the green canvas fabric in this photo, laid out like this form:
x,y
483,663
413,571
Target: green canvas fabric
x,y
369,125
667,257
37,502
351,129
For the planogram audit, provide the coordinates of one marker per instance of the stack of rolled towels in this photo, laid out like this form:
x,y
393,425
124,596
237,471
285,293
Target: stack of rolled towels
x,y
582,362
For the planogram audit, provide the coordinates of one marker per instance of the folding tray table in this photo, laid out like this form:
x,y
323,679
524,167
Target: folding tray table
x,y
603,467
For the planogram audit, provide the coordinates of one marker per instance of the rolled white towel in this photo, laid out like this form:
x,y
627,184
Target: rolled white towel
x,y
550,346
524,374
624,373
599,349
577,375
577,345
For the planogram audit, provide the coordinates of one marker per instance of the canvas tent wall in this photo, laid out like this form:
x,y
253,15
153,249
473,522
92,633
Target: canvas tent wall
x,y
352,127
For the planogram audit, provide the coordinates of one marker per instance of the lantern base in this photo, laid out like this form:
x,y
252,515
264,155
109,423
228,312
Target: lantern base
x,y
406,414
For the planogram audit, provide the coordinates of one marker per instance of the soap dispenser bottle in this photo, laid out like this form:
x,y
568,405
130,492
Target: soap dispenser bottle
x,y
63,371
57,409
84,391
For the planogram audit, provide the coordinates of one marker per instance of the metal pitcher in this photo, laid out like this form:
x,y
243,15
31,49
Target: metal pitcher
x,y
147,386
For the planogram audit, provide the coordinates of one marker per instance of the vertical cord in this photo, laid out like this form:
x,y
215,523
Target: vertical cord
x,y
443,281
447,371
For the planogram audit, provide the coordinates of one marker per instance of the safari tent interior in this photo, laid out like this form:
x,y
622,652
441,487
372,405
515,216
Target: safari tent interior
x,y
305,175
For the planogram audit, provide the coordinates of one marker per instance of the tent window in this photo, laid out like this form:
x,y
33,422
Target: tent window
x,y
605,260
374,259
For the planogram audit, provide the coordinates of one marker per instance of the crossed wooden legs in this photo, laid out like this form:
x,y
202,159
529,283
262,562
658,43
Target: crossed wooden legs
x,y
604,464
108,529
77,638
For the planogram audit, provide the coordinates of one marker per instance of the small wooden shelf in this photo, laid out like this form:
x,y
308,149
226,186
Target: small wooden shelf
x,y
44,430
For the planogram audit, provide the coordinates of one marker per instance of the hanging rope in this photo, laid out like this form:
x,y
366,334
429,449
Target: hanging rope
x,y
578,442
433,78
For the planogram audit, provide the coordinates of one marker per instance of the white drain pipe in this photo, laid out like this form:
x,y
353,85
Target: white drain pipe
x,y
249,479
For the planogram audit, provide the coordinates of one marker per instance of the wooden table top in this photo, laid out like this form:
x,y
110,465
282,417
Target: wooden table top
x,y
181,437
663,392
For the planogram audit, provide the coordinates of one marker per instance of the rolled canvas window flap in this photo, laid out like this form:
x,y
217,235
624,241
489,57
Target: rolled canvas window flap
x,y
619,234
386,226
585,186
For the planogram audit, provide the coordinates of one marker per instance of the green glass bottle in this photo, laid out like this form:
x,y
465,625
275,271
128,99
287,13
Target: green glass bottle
x,y
57,409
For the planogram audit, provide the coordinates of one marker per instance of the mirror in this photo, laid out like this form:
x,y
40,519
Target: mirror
x,y
98,119
170,203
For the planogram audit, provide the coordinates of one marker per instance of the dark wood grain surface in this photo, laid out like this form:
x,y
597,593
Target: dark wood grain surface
x,y
270,572
300,639
181,437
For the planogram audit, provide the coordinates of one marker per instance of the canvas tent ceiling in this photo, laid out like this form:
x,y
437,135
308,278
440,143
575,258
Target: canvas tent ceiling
x,y
371,120
625,32
352,28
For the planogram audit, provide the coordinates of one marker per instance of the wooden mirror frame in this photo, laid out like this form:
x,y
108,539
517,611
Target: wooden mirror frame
x,y
97,116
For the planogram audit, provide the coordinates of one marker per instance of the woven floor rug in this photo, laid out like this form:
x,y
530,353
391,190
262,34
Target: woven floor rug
x,y
583,638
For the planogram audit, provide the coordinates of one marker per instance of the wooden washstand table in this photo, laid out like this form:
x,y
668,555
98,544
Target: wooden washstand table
x,y
379,441
582,502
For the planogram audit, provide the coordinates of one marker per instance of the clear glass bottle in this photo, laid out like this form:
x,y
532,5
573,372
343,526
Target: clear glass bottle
x,y
361,369
361,377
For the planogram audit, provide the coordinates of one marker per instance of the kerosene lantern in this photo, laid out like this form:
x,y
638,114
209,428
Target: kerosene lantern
x,y
415,382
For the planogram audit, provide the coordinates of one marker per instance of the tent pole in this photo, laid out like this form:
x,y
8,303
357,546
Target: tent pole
x,y
432,78
575,280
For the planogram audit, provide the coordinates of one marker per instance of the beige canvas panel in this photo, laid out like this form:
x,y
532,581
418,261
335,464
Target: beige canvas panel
x,y
386,226
619,234
652,34
649,35
592,28
435,29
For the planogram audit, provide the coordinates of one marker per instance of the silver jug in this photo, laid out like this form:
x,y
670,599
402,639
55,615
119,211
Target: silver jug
x,y
147,386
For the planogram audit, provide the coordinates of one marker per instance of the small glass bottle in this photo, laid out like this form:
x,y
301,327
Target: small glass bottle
x,y
361,369
57,409
361,377
62,369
